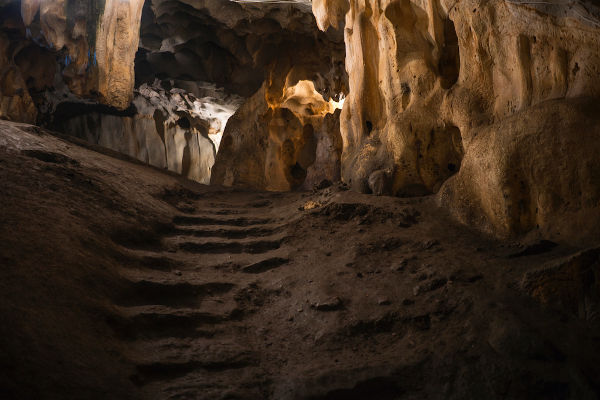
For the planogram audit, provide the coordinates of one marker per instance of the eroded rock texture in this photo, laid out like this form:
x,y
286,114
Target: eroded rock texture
x,y
99,39
500,94
170,129
286,136
284,142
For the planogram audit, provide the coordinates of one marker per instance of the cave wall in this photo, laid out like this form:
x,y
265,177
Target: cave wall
x,y
69,66
287,136
99,40
167,118
170,129
282,145
491,104
16,68
54,50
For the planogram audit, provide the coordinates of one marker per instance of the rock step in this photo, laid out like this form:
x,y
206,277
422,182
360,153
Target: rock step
x,y
248,205
173,293
265,265
229,233
255,247
171,358
187,220
203,384
182,265
225,211
152,262
160,321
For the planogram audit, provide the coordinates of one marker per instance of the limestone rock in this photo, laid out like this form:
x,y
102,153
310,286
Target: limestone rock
x,y
16,103
169,129
379,182
280,146
286,136
492,104
571,284
100,39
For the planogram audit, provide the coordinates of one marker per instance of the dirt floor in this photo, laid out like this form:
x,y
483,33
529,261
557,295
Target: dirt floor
x,y
121,281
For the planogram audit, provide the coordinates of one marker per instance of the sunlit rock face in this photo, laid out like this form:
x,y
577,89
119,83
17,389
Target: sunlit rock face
x,y
15,102
492,104
171,129
99,40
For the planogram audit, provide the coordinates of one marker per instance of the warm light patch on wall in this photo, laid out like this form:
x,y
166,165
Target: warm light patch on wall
x,y
338,105
305,101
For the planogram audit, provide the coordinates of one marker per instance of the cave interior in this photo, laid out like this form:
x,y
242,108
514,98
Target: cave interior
x,y
299,199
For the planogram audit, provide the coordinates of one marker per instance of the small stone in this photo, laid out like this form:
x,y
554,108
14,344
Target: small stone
x,y
379,182
332,304
399,267
177,272
429,244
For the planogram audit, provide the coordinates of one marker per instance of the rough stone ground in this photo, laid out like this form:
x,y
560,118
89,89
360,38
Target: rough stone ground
x,y
118,280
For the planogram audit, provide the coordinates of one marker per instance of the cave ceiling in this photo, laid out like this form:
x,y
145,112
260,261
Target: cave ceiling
x,y
228,43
